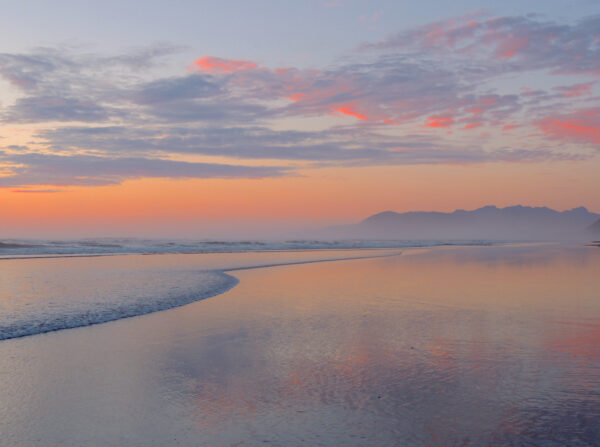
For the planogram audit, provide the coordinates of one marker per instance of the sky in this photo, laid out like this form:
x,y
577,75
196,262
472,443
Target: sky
x,y
211,119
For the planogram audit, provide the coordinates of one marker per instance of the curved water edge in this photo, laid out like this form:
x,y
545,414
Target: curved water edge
x,y
218,283
117,296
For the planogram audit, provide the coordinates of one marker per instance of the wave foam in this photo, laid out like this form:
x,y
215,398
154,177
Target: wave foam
x,y
74,310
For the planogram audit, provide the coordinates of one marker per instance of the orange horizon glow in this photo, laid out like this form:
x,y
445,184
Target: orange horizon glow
x,y
321,197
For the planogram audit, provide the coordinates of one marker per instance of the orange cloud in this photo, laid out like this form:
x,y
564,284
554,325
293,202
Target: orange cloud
x,y
350,110
210,64
439,121
297,96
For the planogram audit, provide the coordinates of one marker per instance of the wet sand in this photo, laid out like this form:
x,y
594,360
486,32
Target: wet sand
x,y
446,346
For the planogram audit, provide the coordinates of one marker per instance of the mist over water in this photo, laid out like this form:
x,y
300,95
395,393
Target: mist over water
x,y
10,248
515,223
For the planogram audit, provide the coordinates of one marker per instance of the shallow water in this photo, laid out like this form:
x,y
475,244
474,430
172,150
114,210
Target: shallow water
x,y
438,347
40,295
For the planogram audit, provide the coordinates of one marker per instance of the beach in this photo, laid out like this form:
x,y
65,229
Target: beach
x,y
493,345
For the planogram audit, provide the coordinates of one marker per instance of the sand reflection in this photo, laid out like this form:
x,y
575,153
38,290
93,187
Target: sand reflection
x,y
434,348
441,347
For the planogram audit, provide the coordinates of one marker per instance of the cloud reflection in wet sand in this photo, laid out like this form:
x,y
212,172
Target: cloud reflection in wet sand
x,y
479,346
451,347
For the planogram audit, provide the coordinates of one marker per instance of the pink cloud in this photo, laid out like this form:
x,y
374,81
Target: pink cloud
x,y
439,121
537,43
210,64
509,46
448,33
371,18
350,110
576,90
580,126
473,125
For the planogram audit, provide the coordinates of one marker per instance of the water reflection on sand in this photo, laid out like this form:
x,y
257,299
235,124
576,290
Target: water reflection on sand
x,y
442,347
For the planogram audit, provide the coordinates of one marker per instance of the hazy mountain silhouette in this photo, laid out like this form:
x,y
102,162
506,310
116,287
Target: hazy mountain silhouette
x,y
594,228
511,223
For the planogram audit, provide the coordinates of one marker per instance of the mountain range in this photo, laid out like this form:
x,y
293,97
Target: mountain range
x,y
594,228
489,222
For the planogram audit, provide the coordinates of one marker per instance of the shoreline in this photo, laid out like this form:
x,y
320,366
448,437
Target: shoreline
x,y
91,316
423,244
373,351
164,303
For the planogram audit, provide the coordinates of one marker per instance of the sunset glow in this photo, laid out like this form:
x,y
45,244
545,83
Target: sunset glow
x,y
321,222
488,107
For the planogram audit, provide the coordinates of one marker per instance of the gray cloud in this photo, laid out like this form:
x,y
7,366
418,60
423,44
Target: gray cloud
x,y
507,44
45,169
28,71
45,70
396,92
190,111
35,109
244,143
175,89
339,146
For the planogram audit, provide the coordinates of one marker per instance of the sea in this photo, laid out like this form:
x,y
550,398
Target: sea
x,y
76,290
